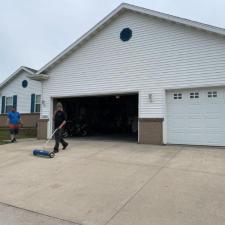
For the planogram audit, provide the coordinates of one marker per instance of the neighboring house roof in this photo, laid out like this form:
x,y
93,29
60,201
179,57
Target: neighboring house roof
x,y
127,7
16,73
32,70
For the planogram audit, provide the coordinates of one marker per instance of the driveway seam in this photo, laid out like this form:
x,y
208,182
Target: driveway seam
x,y
133,196
172,157
43,214
140,189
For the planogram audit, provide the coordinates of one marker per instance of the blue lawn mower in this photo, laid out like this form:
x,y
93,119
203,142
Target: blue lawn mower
x,y
45,153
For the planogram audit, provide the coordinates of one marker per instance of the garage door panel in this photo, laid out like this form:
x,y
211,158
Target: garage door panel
x,y
195,124
214,123
215,102
212,109
176,131
177,124
193,108
179,117
195,138
191,116
179,109
175,136
194,121
214,139
216,115
199,121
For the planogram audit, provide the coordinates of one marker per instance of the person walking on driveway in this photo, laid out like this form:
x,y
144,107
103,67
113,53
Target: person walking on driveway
x,y
13,123
59,122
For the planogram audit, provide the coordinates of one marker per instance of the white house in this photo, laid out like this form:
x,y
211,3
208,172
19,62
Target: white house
x,y
167,71
22,93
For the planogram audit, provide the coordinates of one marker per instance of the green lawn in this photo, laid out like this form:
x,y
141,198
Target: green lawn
x,y
5,135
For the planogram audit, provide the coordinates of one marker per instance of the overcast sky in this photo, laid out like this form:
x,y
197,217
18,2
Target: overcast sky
x,y
32,32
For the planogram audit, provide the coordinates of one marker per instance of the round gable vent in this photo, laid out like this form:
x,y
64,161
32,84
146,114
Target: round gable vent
x,y
126,34
24,83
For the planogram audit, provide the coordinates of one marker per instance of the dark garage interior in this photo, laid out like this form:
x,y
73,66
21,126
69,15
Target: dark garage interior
x,y
114,116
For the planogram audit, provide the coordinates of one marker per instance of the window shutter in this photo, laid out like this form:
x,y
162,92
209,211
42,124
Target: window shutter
x,y
3,104
32,103
15,101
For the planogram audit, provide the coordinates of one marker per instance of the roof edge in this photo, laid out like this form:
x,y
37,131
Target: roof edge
x,y
125,6
13,75
176,19
82,38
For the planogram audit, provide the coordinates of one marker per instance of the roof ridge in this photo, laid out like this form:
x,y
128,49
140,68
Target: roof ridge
x,y
138,9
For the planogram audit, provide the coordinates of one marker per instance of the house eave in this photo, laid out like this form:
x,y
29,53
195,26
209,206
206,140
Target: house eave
x,y
119,10
12,76
38,77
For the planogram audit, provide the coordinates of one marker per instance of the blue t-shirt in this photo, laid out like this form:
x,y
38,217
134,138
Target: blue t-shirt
x,y
14,118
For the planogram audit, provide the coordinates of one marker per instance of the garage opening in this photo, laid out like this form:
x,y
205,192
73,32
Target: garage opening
x,y
104,117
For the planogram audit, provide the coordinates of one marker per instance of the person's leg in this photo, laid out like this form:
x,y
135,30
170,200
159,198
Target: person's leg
x,y
64,144
57,140
12,135
11,131
16,131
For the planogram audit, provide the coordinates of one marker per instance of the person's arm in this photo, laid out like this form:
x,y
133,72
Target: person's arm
x,y
53,118
8,120
64,121
19,117
62,124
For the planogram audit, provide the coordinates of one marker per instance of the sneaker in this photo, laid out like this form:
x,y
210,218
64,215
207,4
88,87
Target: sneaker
x,y
64,146
56,151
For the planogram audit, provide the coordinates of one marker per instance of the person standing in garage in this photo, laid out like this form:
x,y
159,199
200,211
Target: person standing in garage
x,y
59,122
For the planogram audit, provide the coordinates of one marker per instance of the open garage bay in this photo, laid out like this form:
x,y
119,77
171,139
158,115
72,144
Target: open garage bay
x,y
111,117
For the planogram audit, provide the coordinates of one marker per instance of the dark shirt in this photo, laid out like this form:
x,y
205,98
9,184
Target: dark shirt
x,y
60,116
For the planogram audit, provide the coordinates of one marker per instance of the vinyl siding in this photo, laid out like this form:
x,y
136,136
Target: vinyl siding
x,y
160,55
23,94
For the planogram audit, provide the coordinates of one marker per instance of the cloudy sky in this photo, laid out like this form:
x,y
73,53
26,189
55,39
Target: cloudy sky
x,y
32,32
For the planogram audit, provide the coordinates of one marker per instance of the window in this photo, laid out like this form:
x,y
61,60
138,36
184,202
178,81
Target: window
x,y
8,104
212,94
194,95
177,96
37,103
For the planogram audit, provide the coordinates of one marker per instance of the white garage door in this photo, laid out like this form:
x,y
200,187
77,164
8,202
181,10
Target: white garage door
x,y
196,116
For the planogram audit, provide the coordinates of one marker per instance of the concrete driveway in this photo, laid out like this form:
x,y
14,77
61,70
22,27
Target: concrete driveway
x,y
112,182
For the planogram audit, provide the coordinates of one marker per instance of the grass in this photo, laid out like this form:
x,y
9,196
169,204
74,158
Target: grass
x,y
5,135
4,142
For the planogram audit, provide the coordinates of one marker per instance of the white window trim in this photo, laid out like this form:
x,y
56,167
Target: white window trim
x,y
35,104
11,105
